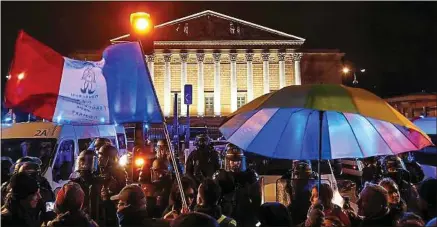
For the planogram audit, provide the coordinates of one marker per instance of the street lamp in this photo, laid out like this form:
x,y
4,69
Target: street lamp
x,y
140,23
346,70
141,26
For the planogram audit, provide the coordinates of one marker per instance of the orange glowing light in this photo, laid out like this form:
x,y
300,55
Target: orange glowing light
x,y
139,162
140,22
20,76
346,70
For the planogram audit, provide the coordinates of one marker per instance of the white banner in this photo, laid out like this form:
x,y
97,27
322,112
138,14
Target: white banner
x,y
82,94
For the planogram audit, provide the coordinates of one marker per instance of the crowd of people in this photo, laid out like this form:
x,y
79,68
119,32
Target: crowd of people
x,y
208,193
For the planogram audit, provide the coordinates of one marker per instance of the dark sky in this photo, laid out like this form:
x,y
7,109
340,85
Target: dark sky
x,y
394,41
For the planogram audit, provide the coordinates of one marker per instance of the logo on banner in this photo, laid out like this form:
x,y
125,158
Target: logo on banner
x,y
89,81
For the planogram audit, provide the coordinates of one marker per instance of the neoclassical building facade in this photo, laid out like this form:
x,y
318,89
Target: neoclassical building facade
x,y
229,62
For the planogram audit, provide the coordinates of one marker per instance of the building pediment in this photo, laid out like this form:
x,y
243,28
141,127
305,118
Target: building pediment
x,y
198,29
210,25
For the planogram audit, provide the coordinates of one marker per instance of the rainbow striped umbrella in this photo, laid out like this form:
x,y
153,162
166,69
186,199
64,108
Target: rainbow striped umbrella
x,y
322,122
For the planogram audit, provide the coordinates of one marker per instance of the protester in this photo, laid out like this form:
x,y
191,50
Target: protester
x,y
410,219
274,214
194,219
174,209
325,196
112,180
207,202
131,208
21,202
397,204
373,206
68,207
428,199
315,217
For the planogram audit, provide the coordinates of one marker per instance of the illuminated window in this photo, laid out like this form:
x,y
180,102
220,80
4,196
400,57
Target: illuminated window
x,y
209,104
241,99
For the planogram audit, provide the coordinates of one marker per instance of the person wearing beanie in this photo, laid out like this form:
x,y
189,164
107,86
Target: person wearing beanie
x,y
68,205
21,202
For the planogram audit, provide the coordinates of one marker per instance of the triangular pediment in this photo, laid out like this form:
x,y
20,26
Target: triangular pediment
x,y
210,25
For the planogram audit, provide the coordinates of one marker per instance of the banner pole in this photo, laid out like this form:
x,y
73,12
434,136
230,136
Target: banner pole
x,y
167,137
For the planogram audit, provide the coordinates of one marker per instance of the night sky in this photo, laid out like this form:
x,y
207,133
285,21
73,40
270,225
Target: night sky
x,y
394,41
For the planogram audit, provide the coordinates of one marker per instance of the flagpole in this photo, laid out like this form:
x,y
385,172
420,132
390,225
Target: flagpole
x,y
167,137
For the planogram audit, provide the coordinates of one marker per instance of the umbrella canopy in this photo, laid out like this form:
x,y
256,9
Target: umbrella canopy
x,y
351,122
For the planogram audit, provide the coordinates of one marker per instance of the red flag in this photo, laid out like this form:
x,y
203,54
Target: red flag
x,y
35,78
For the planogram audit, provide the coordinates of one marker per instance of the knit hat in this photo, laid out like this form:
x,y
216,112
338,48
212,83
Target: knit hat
x,y
23,185
70,197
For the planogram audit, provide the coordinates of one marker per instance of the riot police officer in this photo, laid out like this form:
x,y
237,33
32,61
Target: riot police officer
x,y
158,191
303,178
98,143
394,168
203,162
85,176
241,189
32,167
112,179
371,171
163,152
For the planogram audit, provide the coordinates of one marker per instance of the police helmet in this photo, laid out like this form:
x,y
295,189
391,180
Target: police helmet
x,y
108,155
392,164
26,159
160,168
235,154
86,161
302,170
99,142
202,141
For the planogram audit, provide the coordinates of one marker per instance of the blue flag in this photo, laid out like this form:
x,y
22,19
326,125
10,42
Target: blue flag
x,y
131,95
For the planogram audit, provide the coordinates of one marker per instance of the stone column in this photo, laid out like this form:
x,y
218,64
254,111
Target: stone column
x,y
233,58
151,65
249,59
200,85
281,57
217,103
266,84
297,77
167,84
184,57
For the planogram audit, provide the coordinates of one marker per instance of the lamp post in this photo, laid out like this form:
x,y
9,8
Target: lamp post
x,y
142,29
346,70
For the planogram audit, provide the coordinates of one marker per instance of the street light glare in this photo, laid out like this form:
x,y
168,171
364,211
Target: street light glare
x,y
20,76
141,24
363,70
346,70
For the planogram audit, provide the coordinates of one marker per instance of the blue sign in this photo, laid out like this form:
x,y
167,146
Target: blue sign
x,y
188,93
